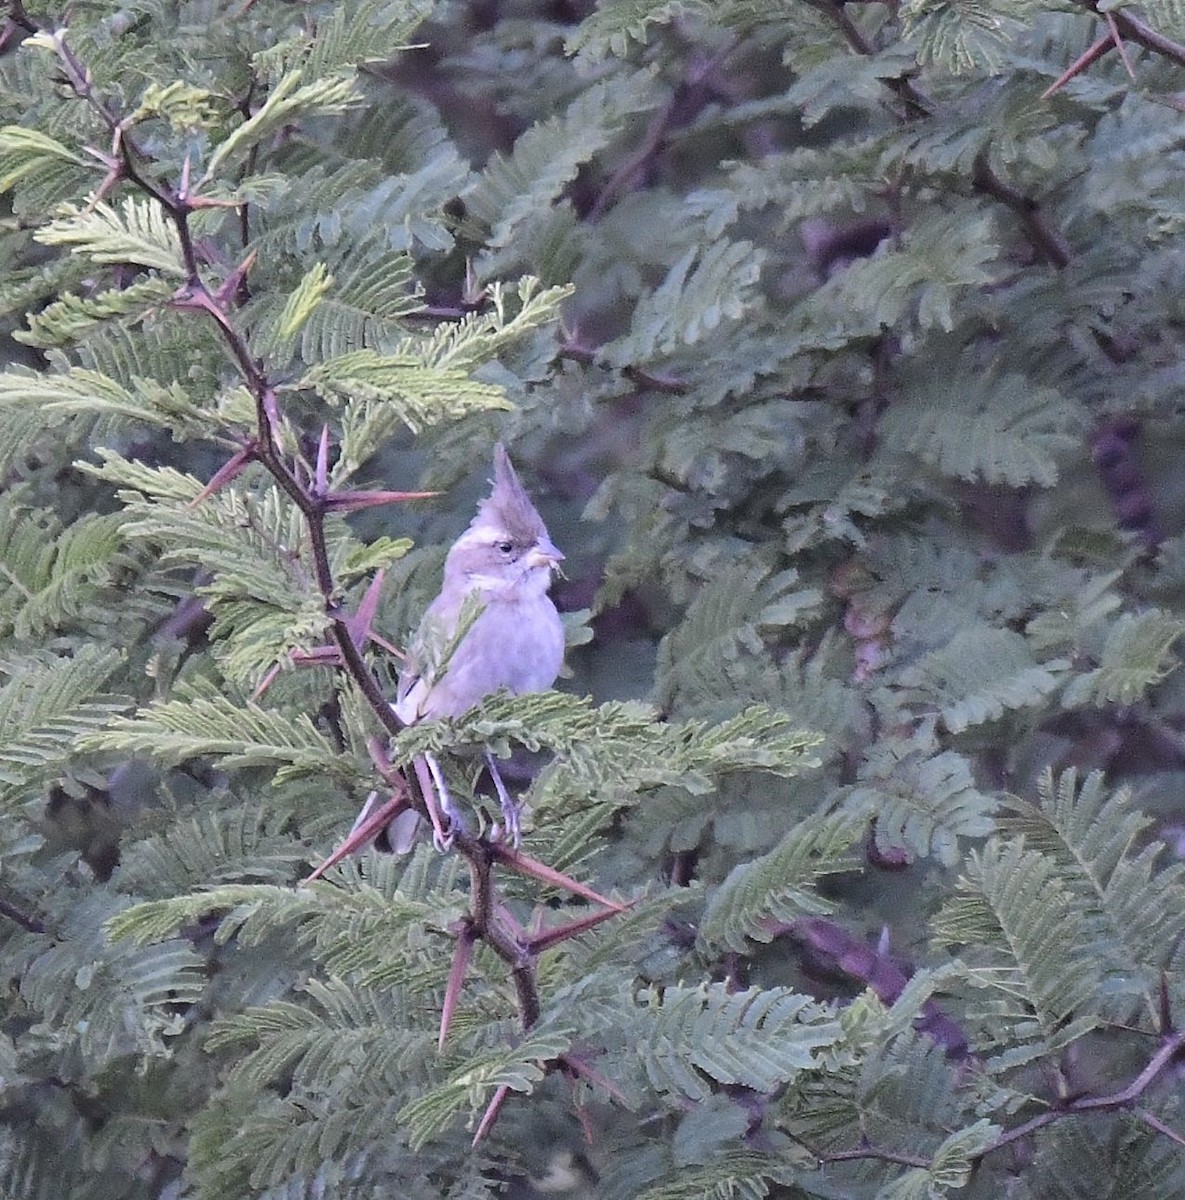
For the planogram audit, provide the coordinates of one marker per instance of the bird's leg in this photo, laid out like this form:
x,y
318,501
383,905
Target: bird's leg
x,y
439,802
511,809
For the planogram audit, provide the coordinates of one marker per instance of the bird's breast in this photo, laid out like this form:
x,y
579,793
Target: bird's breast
x,y
514,644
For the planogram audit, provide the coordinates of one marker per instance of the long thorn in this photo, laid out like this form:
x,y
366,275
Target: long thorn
x,y
581,1069
1079,65
363,833
456,979
491,1114
321,478
552,937
231,469
1118,40
516,860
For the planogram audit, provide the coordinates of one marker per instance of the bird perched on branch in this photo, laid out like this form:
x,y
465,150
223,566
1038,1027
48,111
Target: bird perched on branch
x,y
492,626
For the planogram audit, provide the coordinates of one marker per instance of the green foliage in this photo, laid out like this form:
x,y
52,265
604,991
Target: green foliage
x,y
780,886
841,352
759,1040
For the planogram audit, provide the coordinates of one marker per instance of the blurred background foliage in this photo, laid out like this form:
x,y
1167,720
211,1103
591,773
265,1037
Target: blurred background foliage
x,y
840,346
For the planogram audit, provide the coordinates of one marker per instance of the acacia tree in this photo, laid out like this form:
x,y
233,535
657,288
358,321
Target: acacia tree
x,y
851,330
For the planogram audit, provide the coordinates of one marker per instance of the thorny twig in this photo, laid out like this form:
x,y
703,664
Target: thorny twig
x,y
19,917
1043,235
1134,30
314,503
856,958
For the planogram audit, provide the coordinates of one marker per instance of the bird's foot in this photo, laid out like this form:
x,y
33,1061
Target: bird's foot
x,y
446,818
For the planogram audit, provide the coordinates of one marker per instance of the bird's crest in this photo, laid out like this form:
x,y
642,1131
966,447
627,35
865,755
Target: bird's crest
x,y
508,507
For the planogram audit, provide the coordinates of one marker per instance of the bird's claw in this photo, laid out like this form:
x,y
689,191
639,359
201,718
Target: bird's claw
x,y
511,810
512,814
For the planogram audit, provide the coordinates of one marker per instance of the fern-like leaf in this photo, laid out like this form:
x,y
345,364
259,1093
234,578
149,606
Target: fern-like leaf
x,y
1135,657
759,1039
174,731
980,674
779,886
1026,939
47,706
1136,910
137,232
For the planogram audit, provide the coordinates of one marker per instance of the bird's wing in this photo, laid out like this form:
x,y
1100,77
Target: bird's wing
x,y
436,629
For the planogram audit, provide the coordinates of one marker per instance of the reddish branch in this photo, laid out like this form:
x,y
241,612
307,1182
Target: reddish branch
x,y
1134,30
312,499
854,957
1043,235
18,916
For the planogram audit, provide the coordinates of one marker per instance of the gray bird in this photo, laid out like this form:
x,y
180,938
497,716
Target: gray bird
x,y
500,568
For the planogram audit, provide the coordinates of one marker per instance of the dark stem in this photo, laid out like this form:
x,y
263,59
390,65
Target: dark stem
x,y
1170,1050
196,294
1044,237
20,917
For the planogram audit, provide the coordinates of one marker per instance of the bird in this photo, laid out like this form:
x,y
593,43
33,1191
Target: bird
x,y
495,595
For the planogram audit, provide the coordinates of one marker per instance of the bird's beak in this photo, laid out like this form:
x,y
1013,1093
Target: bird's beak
x,y
544,554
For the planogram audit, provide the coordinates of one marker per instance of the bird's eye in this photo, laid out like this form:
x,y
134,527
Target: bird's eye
x,y
504,547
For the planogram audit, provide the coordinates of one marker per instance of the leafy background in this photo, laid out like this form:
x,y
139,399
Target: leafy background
x,y
839,344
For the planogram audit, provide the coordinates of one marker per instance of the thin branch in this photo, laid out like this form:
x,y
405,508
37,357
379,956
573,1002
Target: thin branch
x,y
874,1152
1135,30
196,294
1045,238
668,384
673,112
19,917
1170,1049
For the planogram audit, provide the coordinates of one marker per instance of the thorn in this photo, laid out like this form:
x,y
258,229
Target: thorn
x,y
512,923
370,828
390,647
456,978
378,751
1079,65
191,295
1154,1122
516,860
1166,1005
110,161
359,624
266,683
1114,28
322,477
231,284
183,187
552,937
319,656
473,292
354,501
271,408
582,1070
213,202
106,186
231,469
491,1114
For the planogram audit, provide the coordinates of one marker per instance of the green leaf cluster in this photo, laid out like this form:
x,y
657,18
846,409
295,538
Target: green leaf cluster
x,y
841,350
